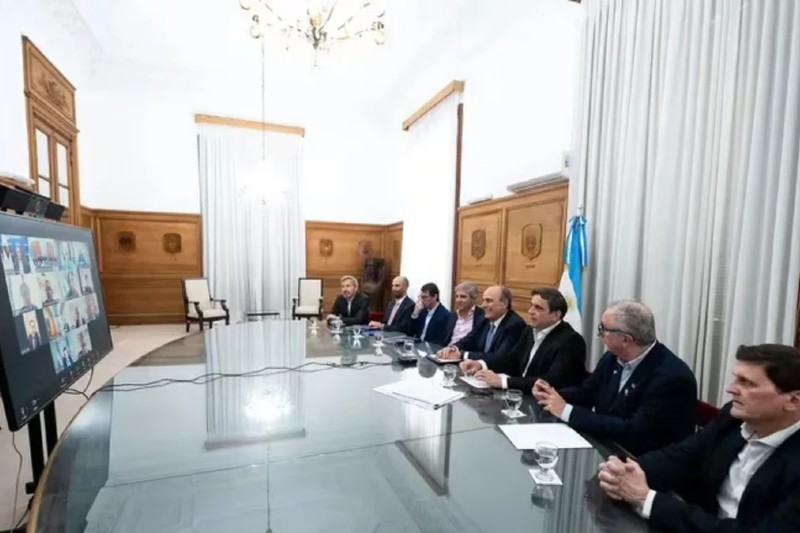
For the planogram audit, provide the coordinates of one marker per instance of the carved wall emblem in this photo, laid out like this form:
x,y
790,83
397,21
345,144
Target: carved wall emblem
x,y
532,241
325,247
53,92
126,242
478,244
172,243
365,248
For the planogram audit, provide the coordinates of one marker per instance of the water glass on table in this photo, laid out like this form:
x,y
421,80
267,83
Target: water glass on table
x,y
513,400
449,372
408,346
378,339
546,458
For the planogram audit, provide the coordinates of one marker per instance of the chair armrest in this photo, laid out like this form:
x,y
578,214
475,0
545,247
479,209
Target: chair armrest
x,y
294,301
198,309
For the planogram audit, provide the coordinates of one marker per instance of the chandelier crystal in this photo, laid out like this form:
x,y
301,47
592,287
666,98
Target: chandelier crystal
x,y
319,23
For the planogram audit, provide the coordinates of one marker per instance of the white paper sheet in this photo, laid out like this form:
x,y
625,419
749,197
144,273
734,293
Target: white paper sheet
x,y
525,436
475,382
423,393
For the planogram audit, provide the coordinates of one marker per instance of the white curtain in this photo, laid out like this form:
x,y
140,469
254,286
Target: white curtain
x,y
687,163
429,178
253,237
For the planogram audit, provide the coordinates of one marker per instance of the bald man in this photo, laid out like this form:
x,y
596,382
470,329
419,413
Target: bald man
x,y
496,336
398,311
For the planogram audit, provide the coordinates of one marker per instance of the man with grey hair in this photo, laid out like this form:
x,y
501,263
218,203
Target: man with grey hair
x,y
641,395
398,312
497,334
465,316
351,306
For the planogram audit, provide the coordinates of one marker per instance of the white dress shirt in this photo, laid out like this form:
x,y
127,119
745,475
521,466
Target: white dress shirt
x,y
754,454
627,371
538,338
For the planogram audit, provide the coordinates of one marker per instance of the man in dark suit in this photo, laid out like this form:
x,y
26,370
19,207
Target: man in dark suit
x,y
398,311
466,316
429,318
351,306
739,473
640,395
496,335
550,349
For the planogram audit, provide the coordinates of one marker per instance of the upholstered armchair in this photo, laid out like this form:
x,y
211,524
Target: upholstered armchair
x,y
308,303
200,307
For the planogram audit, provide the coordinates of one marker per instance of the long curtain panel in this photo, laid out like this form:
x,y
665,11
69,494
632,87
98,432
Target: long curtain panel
x,y
430,174
253,241
687,163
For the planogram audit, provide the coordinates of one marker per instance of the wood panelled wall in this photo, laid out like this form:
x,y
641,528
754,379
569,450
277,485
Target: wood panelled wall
x,y
334,249
142,258
517,241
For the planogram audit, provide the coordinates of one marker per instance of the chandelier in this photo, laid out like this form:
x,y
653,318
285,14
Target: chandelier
x,y
319,23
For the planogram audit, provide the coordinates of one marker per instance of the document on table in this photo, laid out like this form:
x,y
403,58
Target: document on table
x,y
422,393
526,436
475,382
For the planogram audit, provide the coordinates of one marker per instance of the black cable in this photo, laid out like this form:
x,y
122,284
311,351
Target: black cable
x,y
19,473
22,518
212,377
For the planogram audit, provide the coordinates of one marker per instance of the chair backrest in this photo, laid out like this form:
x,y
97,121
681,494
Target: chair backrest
x,y
309,291
196,290
706,413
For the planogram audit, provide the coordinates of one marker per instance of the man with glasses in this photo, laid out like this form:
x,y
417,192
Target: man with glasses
x,y
740,472
640,395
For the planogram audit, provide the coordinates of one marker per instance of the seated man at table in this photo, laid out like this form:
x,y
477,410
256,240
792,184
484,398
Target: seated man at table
x,y
550,349
429,318
640,395
466,314
351,306
739,473
496,335
398,311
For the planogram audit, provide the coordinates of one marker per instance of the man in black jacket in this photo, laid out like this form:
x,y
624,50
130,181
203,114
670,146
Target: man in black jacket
x,y
398,312
497,334
351,306
739,473
550,349
641,395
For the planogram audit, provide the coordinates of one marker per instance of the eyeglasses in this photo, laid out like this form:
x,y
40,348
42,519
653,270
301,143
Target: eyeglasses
x,y
601,329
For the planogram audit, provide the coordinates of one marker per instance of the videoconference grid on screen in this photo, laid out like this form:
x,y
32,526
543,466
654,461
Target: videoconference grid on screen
x,y
53,326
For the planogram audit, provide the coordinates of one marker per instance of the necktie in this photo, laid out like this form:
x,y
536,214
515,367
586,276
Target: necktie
x,y
394,311
348,307
616,377
489,338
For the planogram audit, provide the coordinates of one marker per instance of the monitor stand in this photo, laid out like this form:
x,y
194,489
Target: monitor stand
x,y
36,444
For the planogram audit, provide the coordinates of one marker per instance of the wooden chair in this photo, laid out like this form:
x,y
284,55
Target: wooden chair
x,y
200,307
308,303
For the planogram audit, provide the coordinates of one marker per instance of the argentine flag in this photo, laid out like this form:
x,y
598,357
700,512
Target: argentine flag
x,y
576,257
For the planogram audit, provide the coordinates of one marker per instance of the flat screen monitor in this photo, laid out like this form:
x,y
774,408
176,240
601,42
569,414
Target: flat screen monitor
x,y
53,324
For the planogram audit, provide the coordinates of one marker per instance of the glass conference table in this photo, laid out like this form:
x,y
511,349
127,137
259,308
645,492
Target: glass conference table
x,y
224,437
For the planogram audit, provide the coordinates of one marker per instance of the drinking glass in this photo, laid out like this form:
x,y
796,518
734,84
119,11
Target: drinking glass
x,y
313,325
337,325
546,457
378,339
357,332
513,399
449,372
408,346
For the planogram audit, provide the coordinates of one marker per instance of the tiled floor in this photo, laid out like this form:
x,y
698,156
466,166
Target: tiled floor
x,y
130,342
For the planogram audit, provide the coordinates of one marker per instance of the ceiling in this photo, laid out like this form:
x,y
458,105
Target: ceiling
x,y
209,39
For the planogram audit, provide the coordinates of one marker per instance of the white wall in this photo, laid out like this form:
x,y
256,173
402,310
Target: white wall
x,y
60,33
520,68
